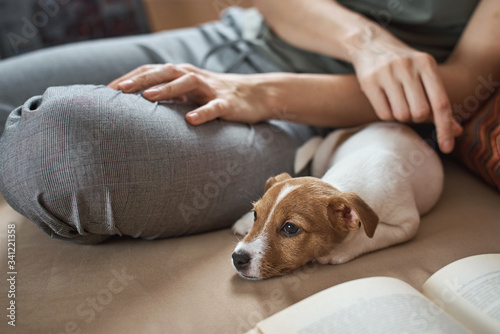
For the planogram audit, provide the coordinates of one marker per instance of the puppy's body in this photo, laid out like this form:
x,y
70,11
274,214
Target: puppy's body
x,y
393,170
382,175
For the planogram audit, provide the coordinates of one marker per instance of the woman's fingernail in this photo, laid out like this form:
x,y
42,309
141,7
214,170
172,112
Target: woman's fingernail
x,y
125,85
447,146
193,116
153,92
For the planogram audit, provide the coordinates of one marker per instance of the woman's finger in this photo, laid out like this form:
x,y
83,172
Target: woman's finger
x,y
379,102
191,68
148,79
210,111
397,99
133,73
441,110
420,110
177,88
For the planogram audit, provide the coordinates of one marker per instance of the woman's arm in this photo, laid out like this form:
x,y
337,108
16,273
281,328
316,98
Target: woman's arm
x,y
321,26
334,100
477,55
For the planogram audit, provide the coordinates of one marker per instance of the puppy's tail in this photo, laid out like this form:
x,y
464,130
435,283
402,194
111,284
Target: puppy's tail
x,y
305,153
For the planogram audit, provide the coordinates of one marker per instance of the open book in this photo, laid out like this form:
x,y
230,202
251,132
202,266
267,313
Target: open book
x,y
462,297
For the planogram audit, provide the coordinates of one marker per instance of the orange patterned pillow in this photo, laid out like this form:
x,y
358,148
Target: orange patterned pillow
x,y
479,146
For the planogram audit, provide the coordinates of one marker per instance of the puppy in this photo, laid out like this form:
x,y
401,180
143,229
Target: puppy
x,y
376,182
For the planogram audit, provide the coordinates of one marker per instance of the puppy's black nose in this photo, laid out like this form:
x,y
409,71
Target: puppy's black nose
x,y
241,260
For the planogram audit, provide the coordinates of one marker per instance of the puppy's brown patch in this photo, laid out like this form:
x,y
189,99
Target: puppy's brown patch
x,y
320,211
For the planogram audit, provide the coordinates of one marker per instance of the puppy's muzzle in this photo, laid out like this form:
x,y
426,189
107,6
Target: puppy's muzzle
x,y
241,260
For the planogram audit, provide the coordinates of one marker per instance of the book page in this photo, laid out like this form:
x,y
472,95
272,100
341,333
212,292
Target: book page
x,y
469,290
370,305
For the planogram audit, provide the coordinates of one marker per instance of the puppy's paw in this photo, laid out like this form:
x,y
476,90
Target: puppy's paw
x,y
244,224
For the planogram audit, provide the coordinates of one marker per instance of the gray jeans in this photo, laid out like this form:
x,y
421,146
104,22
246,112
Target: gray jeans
x,y
85,162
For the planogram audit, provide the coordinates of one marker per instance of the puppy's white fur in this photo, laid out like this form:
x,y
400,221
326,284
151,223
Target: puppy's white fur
x,y
388,165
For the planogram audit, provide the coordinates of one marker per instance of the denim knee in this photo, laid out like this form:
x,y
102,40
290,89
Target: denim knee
x,y
51,162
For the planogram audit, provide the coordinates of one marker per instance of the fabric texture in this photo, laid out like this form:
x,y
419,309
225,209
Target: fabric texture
x,y
478,147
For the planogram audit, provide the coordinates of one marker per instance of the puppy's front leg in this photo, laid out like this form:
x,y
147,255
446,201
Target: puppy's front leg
x,y
244,224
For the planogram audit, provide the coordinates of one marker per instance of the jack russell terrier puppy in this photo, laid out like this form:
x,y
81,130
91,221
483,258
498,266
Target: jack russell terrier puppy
x,y
376,182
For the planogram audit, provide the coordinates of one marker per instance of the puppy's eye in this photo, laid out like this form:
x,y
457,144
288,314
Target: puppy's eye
x,y
254,215
290,229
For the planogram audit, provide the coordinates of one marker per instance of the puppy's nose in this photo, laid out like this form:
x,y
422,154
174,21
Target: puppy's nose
x,y
241,260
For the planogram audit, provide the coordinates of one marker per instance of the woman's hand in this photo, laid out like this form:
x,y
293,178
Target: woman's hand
x,y
403,84
231,97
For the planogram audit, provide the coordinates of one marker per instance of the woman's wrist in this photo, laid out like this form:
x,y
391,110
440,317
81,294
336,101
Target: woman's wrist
x,y
285,95
373,44
271,93
264,92
362,38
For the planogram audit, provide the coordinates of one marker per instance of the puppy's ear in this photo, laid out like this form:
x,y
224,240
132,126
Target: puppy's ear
x,y
272,180
352,212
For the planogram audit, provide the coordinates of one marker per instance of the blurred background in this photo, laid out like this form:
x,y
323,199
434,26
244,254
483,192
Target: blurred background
x,y
28,25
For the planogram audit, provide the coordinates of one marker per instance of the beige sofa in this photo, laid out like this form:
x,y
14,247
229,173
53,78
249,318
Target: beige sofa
x,y
172,14
187,285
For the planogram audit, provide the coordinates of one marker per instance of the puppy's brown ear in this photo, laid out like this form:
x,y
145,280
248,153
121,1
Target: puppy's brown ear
x,y
272,180
353,212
